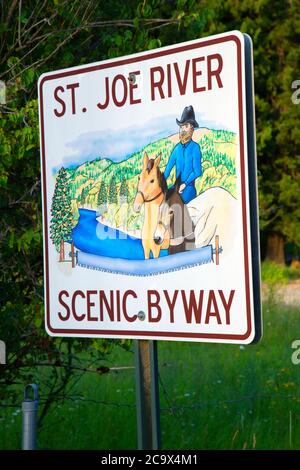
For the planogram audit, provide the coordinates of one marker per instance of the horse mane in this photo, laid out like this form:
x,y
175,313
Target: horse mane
x,y
174,189
162,181
160,176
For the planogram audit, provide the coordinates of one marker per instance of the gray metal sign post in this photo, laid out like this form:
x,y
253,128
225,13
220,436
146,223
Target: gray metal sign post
x,y
147,395
29,423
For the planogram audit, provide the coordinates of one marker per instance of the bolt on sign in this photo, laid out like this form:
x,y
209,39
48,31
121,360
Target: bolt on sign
x,y
149,195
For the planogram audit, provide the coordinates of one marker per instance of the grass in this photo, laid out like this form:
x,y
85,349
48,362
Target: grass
x,y
212,397
273,273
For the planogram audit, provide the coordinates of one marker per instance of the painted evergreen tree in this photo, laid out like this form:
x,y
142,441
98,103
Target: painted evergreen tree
x,y
102,197
61,212
124,192
112,191
83,196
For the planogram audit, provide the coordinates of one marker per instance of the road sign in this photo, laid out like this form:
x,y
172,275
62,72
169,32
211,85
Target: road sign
x,y
149,195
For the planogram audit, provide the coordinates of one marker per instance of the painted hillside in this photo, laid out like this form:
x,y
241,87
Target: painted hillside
x,y
110,187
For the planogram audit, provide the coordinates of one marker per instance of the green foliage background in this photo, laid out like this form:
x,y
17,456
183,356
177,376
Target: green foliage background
x,y
40,36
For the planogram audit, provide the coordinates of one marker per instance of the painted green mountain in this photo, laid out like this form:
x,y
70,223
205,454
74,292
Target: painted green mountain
x,y
119,180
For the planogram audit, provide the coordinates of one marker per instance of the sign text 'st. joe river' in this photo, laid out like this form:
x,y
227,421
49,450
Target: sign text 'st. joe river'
x,y
203,72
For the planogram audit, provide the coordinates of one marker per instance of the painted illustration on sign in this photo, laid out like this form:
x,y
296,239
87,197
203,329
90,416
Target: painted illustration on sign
x,y
166,206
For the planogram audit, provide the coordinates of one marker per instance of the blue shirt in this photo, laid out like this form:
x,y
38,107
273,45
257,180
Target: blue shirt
x,y
187,159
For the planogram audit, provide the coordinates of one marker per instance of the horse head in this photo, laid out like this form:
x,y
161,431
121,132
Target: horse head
x,y
151,182
168,216
174,227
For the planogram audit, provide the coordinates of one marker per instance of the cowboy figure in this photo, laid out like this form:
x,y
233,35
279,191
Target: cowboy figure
x,y
186,156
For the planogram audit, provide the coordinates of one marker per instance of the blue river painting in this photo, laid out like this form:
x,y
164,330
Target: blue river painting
x,y
91,236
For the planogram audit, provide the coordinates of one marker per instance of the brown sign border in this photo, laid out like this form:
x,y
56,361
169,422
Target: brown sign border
x,y
126,61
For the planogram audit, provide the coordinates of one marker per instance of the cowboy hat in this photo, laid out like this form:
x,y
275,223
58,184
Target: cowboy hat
x,y
188,116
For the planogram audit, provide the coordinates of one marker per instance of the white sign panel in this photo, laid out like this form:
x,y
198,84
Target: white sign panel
x,y
149,218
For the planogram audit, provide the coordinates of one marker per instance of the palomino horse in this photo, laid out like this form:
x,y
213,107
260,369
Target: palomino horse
x,y
151,192
175,229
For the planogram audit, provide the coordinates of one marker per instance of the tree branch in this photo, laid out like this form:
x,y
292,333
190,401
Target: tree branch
x,y
10,12
19,22
158,22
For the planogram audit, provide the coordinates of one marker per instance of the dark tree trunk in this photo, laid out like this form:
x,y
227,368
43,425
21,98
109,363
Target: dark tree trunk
x,y
62,251
275,248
